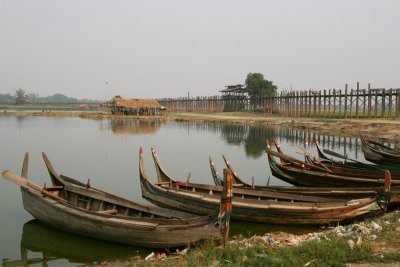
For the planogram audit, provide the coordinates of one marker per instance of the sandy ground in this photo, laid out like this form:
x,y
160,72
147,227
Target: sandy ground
x,y
384,129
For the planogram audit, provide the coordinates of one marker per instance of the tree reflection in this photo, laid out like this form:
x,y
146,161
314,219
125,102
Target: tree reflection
x,y
234,134
255,141
252,137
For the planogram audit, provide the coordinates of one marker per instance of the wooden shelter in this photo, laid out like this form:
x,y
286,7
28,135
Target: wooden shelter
x,y
134,106
235,97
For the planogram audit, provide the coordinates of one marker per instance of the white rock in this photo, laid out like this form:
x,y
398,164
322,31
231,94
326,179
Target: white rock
x,y
376,226
351,244
373,237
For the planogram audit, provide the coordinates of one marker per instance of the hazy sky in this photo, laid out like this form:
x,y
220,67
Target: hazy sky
x,y
97,49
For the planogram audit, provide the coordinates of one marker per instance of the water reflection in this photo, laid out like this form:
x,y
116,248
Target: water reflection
x,y
54,245
125,126
253,137
103,151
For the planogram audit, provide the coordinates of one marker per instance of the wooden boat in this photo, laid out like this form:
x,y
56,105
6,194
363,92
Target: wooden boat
x,y
348,162
379,153
339,169
327,192
76,208
253,205
301,173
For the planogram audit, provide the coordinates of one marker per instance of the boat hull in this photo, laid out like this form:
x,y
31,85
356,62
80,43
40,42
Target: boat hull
x,y
108,228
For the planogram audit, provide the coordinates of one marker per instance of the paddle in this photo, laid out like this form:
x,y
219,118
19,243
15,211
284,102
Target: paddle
x,y
305,152
291,159
21,181
308,154
332,153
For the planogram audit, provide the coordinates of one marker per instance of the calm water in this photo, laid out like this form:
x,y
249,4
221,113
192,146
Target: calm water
x,y
107,152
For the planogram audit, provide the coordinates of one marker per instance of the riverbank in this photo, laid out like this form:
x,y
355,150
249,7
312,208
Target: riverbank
x,y
374,242
386,129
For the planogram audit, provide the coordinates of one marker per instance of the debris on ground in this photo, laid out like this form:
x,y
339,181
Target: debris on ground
x,y
355,234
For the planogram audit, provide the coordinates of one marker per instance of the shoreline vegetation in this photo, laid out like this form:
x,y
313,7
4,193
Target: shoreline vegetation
x,y
374,242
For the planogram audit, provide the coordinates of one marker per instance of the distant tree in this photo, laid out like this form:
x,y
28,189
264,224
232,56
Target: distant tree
x,y
7,99
32,98
257,86
21,97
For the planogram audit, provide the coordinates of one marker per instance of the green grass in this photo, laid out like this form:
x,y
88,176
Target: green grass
x,y
38,107
48,108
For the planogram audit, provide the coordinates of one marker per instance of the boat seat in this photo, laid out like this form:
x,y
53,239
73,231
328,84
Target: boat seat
x,y
54,188
110,211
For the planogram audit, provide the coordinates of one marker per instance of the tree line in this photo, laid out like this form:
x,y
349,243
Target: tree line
x,y
255,86
20,97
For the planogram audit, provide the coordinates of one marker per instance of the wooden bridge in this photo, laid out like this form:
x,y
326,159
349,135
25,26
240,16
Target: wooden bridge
x,y
332,103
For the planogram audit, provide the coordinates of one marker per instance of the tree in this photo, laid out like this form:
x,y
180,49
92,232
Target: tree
x,y
257,86
32,98
21,97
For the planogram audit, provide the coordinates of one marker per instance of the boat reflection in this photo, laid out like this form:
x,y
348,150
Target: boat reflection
x,y
58,246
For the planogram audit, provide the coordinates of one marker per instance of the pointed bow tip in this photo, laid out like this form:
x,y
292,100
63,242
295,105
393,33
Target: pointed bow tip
x,y
267,143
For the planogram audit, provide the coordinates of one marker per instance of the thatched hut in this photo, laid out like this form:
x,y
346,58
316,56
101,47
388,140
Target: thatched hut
x,y
133,106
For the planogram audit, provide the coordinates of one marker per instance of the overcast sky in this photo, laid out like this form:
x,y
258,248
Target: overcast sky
x,y
97,49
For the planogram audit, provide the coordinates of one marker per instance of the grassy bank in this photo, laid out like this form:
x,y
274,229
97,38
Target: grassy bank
x,y
38,107
375,241
50,108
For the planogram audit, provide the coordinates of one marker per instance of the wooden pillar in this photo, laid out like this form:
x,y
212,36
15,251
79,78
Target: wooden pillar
x,y
340,103
357,99
319,103
351,103
301,106
390,103
398,103
324,103
309,103
383,110
315,103
345,101
334,102
369,100
376,104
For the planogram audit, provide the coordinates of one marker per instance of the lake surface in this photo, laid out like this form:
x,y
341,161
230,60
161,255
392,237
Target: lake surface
x,y
106,151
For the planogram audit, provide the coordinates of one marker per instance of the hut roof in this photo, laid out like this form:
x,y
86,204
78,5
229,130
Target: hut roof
x,y
134,103
233,88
